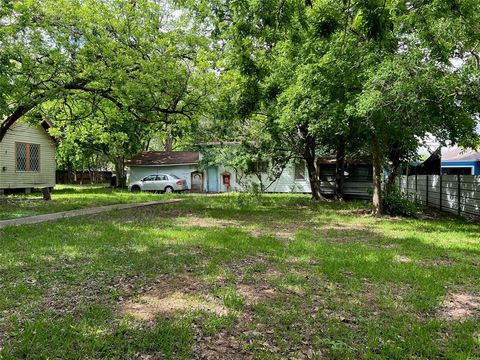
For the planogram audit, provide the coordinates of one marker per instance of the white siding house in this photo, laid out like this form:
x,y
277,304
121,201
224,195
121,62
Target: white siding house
x,y
27,158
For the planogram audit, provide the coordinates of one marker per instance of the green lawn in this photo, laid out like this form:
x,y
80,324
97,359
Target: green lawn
x,y
232,277
68,197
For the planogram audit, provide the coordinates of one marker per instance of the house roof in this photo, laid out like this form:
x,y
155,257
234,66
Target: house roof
x,y
460,154
151,158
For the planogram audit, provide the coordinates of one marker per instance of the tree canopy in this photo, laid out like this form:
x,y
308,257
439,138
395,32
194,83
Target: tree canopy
x,y
290,79
376,77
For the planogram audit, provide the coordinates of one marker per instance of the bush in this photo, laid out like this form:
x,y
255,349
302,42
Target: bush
x,y
396,204
252,197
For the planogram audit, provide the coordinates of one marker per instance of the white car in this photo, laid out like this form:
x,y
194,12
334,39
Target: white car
x,y
166,183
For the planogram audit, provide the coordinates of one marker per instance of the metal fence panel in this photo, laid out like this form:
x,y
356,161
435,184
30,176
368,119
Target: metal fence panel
x,y
458,194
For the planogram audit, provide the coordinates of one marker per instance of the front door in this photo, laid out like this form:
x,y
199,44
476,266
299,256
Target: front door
x,y
197,181
212,179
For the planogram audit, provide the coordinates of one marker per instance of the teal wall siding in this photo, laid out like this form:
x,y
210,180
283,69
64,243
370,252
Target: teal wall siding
x,y
212,179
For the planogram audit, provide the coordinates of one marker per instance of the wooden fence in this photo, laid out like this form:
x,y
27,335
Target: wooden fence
x,y
457,194
83,177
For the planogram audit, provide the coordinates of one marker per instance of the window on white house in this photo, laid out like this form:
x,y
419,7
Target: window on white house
x,y
262,166
27,157
258,166
300,173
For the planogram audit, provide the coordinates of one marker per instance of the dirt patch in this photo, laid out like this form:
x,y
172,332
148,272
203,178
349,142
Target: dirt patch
x,y
281,231
220,346
272,273
256,293
437,262
205,222
149,306
170,295
460,307
362,212
295,289
402,259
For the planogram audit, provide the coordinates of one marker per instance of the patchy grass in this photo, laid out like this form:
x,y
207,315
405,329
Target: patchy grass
x,y
70,197
230,277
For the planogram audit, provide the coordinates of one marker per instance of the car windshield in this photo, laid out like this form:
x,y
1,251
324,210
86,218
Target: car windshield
x,y
173,176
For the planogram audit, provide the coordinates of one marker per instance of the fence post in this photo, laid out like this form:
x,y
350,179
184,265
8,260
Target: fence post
x,y
426,194
441,191
459,194
416,188
407,188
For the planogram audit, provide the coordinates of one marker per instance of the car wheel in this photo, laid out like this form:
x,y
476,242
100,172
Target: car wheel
x,y
135,188
168,190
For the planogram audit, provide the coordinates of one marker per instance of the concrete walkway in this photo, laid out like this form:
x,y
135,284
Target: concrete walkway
x,y
71,213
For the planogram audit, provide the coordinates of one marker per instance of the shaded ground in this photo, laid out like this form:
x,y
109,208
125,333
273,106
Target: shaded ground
x,y
79,212
231,277
70,197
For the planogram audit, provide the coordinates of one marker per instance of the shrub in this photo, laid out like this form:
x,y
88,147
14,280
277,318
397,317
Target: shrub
x,y
396,204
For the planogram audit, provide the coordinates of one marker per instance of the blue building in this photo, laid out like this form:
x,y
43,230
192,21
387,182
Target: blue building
x,y
458,161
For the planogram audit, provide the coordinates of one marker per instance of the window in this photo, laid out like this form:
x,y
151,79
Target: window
x,y
27,157
300,171
162,178
257,167
150,178
457,170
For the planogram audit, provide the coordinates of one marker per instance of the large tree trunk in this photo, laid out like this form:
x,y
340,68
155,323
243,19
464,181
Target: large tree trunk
x,y
309,155
168,143
390,185
120,172
340,172
394,157
313,178
377,178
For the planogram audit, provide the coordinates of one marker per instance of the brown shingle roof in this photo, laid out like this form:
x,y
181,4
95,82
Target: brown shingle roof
x,y
164,158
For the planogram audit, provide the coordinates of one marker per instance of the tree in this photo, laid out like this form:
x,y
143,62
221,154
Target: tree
x,y
356,72
136,57
117,70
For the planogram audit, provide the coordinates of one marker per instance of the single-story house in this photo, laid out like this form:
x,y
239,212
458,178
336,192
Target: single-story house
x,y
459,161
27,157
183,164
214,179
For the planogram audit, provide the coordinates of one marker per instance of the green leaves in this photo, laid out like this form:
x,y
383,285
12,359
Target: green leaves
x,y
108,73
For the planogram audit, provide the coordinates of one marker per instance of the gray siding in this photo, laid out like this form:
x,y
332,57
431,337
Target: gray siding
x,y
25,133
